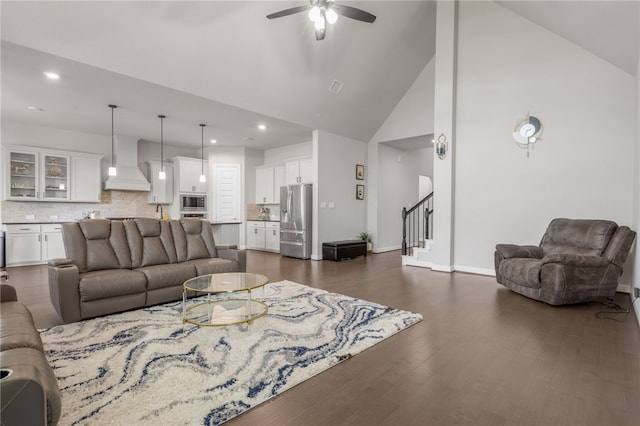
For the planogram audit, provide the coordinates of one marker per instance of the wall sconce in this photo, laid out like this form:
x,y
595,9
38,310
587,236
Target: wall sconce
x,y
442,146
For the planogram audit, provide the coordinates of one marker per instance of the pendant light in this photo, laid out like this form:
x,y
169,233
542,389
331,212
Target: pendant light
x,y
112,169
162,175
203,177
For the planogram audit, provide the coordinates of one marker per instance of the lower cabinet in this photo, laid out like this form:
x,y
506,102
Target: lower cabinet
x,y
32,244
262,235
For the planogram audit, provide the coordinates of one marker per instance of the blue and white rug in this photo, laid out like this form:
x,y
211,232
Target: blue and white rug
x,y
146,367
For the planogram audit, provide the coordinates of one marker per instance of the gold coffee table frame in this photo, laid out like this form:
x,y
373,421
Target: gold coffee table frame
x,y
224,311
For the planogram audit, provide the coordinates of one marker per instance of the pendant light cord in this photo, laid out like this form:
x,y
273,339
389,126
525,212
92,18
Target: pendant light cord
x,y
112,137
162,117
202,150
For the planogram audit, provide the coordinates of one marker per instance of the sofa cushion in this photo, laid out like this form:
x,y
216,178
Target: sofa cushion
x,y
103,284
170,275
577,236
95,244
17,329
150,242
522,271
213,265
193,239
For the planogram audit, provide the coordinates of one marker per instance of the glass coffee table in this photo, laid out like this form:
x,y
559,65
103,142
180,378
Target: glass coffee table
x,y
221,306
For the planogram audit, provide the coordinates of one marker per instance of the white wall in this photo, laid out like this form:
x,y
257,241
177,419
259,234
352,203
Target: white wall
x,y
413,116
582,166
280,155
398,173
336,161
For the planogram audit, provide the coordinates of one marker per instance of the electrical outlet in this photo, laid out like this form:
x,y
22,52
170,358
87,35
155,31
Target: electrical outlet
x,y
30,217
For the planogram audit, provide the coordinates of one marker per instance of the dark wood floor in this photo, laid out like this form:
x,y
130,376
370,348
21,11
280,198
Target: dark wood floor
x,y
482,356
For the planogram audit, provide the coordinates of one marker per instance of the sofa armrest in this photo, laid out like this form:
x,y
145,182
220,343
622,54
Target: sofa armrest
x,y
576,260
239,256
508,251
30,393
64,280
60,262
8,293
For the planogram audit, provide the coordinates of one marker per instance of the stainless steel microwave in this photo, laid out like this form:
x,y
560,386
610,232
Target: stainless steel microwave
x,y
193,202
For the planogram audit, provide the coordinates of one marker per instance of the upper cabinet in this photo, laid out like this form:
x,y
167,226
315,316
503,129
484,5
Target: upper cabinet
x,y
299,171
46,175
85,179
268,182
161,190
187,172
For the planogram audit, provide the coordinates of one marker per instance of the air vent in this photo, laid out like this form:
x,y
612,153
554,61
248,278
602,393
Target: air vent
x,y
335,86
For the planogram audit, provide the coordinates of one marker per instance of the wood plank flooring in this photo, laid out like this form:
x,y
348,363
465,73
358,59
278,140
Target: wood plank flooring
x,y
482,356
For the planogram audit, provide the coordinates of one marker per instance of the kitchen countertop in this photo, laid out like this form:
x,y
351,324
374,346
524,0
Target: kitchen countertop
x,y
263,220
31,222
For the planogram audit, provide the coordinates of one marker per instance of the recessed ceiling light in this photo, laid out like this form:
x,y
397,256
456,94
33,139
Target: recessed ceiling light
x,y
52,75
35,108
262,126
213,141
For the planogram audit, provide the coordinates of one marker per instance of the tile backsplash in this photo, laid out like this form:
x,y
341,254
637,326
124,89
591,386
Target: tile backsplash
x,y
114,204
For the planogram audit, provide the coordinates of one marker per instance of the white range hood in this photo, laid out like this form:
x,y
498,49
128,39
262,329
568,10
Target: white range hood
x,y
129,177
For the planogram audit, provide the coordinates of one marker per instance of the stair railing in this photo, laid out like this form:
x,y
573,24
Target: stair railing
x,y
417,225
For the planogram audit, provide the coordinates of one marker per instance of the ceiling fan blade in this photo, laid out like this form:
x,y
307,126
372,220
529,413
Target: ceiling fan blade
x,y
353,13
288,12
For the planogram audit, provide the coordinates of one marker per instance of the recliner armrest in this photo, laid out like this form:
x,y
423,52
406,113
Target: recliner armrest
x,y
509,251
239,256
226,246
575,260
60,262
64,280
8,293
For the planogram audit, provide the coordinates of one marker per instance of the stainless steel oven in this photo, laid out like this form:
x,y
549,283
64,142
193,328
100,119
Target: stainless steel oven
x,y
193,215
193,203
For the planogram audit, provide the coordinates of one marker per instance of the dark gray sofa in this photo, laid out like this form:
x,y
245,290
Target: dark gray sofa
x,y
114,266
29,391
578,260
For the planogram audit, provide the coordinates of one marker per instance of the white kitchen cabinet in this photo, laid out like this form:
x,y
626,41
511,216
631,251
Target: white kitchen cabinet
x,y
86,185
263,235
37,176
32,243
255,235
272,236
161,190
268,182
299,171
33,174
187,172
51,241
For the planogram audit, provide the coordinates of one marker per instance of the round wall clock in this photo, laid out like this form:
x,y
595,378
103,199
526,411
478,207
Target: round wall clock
x,y
527,131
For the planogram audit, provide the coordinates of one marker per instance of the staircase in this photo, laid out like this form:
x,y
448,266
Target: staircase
x,y
417,228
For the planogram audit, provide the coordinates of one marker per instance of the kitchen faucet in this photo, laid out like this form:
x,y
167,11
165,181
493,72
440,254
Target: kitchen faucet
x,y
159,206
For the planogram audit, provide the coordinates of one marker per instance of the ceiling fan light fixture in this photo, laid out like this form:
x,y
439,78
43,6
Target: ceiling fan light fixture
x,y
331,15
314,14
319,24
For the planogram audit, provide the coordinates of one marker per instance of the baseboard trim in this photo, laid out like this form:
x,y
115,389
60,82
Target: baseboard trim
x,y
386,249
474,270
316,257
636,308
442,268
624,288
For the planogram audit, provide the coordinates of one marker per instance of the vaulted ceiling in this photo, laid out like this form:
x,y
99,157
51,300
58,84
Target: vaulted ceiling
x,y
226,65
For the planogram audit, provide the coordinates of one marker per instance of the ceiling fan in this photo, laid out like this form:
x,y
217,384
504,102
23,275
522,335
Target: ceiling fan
x,y
323,11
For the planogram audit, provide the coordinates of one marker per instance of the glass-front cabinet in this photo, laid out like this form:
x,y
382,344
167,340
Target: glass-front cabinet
x,y
38,176
23,175
55,177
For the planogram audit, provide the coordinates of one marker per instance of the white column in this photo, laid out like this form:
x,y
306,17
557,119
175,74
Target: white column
x,y
444,123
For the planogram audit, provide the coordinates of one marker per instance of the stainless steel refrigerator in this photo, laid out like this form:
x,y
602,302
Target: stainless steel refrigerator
x,y
295,220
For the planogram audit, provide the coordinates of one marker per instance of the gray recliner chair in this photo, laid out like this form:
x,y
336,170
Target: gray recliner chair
x,y
578,260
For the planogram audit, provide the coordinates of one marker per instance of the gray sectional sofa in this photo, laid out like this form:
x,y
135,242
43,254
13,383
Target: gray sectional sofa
x,y
114,266
29,391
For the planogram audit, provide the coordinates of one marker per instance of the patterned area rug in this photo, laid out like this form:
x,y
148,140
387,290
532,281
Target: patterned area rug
x,y
145,367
